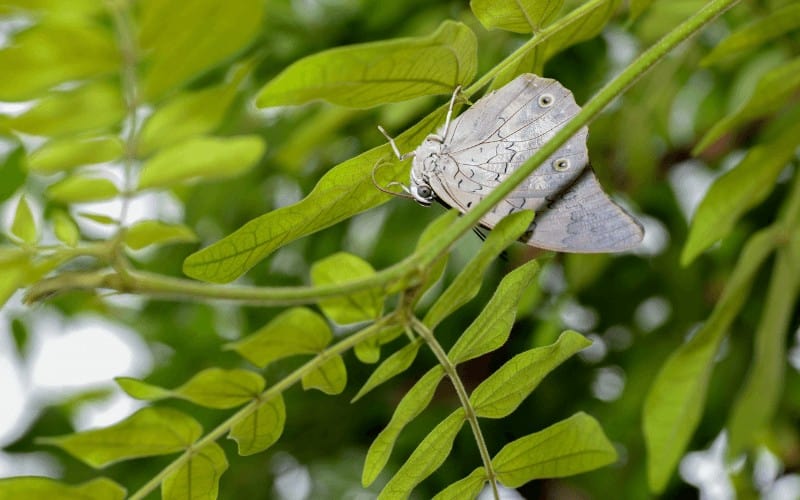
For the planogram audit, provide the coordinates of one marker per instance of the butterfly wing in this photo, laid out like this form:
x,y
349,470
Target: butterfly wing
x,y
497,135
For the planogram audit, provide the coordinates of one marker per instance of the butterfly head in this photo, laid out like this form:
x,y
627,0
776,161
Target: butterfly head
x,y
420,189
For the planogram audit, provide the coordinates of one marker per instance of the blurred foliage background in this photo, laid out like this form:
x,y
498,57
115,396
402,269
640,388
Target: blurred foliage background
x,y
637,308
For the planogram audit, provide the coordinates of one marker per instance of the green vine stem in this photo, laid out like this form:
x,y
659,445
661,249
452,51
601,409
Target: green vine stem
x,y
463,397
275,390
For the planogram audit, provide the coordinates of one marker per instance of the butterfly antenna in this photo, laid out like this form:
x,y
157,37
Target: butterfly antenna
x,y
450,111
406,191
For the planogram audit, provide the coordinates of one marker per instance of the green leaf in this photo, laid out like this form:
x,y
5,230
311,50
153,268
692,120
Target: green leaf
x,y
330,377
770,27
198,478
491,328
16,488
65,228
203,158
466,285
218,388
189,114
468,487
437,268
519,16
13,173
365,75
739,190
55,8
296,331
54,52
676,399
151,232
14,267
585,22
66,154
95,106
760,395
142,390
569,447
368,351
500,394
146,433
185,39
412,404
637,7
771,94
344,191
426,458
395,364
79,188
24,226
262,428
340,268
99,218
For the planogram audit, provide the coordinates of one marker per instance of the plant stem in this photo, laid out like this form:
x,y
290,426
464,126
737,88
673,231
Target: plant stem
x,y
120,11
450,369
274,391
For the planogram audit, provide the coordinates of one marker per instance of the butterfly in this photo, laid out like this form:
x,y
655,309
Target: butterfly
x,y
476,151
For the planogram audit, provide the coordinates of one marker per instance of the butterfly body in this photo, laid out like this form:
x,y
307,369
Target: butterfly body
x,y
480,148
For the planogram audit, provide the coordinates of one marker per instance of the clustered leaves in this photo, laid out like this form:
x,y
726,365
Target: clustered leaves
x,y
131,99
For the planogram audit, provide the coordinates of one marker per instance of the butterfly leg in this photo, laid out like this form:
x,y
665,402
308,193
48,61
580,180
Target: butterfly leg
x,y
450,112
394,146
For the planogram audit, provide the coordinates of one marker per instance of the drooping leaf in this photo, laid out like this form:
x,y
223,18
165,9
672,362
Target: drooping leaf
x,y
296,331
184,39
218,388
80,188
504,390
54,52
15,488
773,25
198,478
770,95
519,16
369,74
146,433
468,282
189,114
468,487
330,377
13,173
491,328
24,226
569,447
395,364
739,190
760,394
676,399
95,106
426,458
262,428
65,154
412,404
65,228
202,158
339,268
154,232
344,191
